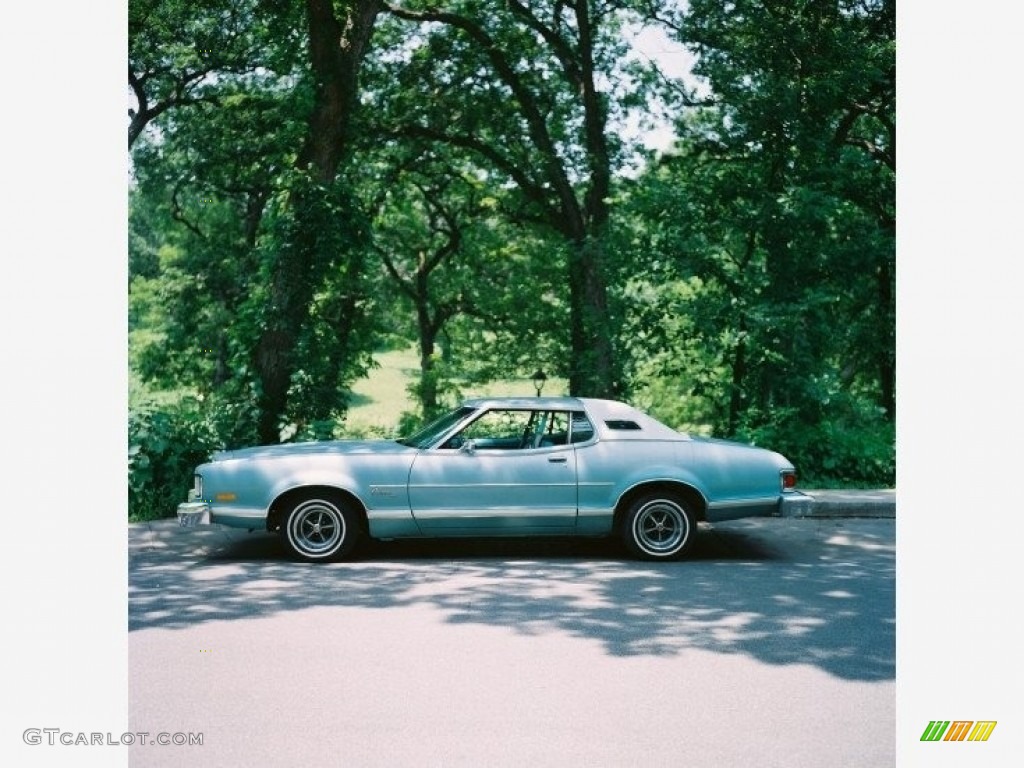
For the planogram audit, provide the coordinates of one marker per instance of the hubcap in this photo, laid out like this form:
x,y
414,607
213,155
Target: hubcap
x,y
316,527
661,527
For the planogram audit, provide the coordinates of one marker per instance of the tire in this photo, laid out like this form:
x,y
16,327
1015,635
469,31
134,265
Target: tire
x,y
320,527
658,526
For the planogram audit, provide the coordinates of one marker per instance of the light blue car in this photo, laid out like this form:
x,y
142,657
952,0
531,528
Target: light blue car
x,y
537,466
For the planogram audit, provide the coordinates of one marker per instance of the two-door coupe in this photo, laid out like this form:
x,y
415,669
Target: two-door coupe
x,y
531,466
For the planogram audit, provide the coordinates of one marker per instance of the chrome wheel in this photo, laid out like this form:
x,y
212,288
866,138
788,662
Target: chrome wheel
x,y
658,527
316,529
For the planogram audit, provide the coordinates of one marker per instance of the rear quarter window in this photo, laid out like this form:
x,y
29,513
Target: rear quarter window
x,y
582,429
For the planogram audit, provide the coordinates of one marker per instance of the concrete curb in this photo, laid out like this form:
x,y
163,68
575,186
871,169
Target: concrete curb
x,y
846,503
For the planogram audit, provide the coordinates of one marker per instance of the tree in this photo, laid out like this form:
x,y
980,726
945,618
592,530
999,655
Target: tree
x,y
419,230
179,52
199,235
810,87
322,236
466,272
293,322
768,230
301,166
517,86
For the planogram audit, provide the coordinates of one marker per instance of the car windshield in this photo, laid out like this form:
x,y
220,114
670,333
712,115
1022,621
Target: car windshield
x,y
427,436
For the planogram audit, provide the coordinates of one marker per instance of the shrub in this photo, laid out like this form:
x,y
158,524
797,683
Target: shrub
x,y
165,443
854,450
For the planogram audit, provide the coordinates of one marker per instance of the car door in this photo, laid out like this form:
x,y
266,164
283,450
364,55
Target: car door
x,y
509,472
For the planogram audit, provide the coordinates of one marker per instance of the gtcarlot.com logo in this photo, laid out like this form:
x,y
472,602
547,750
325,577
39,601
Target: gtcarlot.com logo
x,y
958,730
54,736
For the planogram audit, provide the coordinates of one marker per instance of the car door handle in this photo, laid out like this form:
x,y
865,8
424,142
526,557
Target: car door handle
x,y
557,459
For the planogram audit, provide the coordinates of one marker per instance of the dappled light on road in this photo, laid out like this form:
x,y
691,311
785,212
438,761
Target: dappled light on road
x,y
822,594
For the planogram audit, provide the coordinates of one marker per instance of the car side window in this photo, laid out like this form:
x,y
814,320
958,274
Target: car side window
x,y
498,430
518,429
582,429
553,429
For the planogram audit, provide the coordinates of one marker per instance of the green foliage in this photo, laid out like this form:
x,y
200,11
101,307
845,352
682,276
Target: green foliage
x,y
847,443
847,448
312,260
409,422
758,295
740,286
165,444
522,92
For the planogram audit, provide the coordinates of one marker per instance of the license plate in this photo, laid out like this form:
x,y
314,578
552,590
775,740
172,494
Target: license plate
x,y
194,517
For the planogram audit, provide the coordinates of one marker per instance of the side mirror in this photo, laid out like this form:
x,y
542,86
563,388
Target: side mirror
x,y
468,447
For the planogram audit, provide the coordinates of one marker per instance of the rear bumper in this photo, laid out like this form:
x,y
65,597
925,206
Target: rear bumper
x,y
795,504
194,513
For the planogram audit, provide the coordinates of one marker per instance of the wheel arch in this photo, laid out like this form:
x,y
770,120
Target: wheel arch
x,y
281,503
688,493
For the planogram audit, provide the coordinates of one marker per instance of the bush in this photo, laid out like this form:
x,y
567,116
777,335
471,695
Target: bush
x,y
165,443
856,450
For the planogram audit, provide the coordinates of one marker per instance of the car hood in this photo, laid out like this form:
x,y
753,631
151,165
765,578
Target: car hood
x,y
343,447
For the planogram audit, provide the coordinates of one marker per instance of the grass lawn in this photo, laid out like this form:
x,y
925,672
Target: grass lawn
x,y
379,400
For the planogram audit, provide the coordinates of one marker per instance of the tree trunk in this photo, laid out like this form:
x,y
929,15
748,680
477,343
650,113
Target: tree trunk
x,y
336,53
886,357
336,50
428,374
592,368
427,327
739,373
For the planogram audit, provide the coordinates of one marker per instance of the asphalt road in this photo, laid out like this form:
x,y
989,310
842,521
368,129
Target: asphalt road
x,y
774,645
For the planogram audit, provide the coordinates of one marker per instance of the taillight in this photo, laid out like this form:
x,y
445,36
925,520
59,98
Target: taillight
x,y
788,479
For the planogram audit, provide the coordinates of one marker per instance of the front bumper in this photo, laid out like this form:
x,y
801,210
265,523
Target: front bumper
x,y
193,513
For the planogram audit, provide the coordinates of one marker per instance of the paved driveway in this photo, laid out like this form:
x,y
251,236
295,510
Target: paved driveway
x,y
774,645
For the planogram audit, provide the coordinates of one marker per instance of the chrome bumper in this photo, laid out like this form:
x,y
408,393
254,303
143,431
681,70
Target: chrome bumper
x,y
795,504
193,513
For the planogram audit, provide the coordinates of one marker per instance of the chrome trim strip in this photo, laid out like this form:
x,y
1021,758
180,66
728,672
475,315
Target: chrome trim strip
x,y
491,512
246,513
494,485
730,503
596,512
389,513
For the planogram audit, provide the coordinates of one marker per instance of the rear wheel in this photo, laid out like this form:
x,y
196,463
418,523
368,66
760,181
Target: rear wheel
x,y
320,527
658,526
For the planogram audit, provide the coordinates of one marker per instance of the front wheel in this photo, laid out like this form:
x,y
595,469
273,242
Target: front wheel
x,y
319,528
658,526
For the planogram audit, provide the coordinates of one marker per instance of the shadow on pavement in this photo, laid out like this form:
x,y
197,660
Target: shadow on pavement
x,y
822,595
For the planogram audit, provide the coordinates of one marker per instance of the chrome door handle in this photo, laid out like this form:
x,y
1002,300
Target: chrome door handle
x,y
557,459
